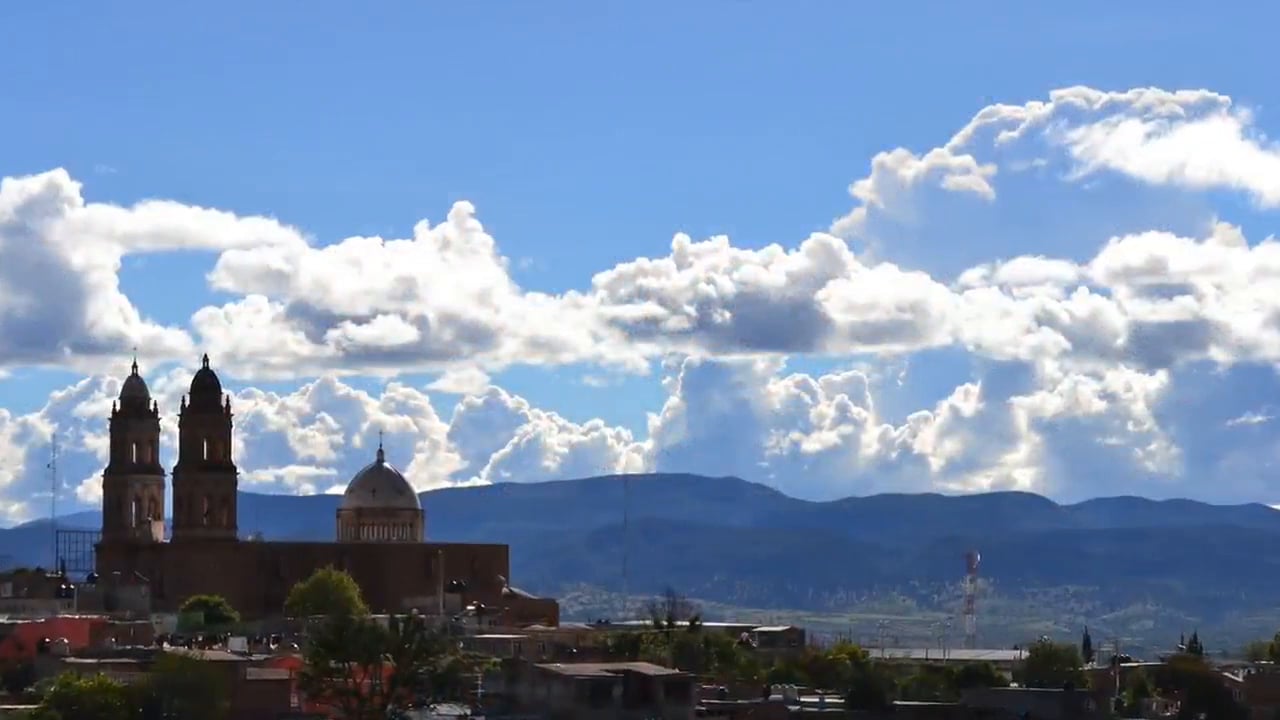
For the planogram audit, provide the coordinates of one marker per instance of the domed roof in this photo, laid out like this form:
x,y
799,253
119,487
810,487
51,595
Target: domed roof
x,y
135,388
206,383
379,485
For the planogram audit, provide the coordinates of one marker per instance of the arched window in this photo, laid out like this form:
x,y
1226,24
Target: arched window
x,y
135,511
206,510
204,449
133,451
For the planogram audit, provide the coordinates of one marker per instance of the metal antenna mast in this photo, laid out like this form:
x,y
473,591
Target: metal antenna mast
x,y
626,547
971,560
53,495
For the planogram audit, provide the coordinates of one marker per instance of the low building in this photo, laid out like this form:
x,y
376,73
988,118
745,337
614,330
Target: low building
x,y
24,640
34,593
602,691
778,638
1040,703
1257,687
257,690
1005,660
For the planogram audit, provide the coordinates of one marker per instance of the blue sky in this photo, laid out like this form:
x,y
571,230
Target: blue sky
x,y
587,135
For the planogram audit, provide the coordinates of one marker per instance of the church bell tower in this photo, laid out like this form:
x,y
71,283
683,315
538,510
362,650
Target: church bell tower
x,y
205,477
133,482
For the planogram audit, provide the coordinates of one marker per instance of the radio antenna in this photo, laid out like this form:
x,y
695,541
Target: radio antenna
x,y
53,494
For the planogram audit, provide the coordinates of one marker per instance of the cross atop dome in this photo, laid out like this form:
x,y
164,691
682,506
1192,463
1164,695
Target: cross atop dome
x,y
382,455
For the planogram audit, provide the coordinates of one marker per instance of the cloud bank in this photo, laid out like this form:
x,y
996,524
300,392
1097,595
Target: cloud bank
x,y
1106,325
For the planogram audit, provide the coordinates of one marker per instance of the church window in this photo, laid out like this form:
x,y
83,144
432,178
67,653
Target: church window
x,y
133,452
206,510
204,450
135,512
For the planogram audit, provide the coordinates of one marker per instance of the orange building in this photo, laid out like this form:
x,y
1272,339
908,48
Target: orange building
x,y
21,640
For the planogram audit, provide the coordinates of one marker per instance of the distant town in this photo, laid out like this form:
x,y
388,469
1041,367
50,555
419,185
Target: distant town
x,y
181,617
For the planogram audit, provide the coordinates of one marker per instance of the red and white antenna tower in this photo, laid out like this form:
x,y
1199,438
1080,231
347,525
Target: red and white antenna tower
x,y
971,560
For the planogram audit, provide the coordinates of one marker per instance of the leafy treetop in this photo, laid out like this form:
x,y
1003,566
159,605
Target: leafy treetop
x,y
363,670
328,591
214,610
1050,664
176,687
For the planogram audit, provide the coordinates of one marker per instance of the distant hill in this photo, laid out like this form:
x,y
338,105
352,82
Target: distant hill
x,y
1132,566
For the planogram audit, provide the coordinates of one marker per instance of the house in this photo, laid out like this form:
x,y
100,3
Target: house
x,y
602,691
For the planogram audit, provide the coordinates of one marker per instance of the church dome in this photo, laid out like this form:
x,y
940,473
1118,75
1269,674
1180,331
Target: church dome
x,y
380,485
206,383
135,388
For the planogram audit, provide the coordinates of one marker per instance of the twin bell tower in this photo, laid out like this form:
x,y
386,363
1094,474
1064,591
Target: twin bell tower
x,y
205,479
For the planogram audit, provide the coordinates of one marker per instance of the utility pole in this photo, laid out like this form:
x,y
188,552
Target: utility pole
x,y
1115,643
946,638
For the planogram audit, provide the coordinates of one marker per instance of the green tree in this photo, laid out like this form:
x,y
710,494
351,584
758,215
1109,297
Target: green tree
x,y
181,686
932,683
929,683
1263,650
672,609
328,591
1137,689
210,611
625,645
869,685
18,676
844,667
95,697
1259,650
977,675
1051,665
1194,646
1191,680
360,668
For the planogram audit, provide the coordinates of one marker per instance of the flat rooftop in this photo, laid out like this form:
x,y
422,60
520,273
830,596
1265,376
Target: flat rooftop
x,y
608,669
952,654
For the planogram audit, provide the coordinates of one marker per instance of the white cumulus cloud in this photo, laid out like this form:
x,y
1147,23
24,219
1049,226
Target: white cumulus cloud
x,y
1088,321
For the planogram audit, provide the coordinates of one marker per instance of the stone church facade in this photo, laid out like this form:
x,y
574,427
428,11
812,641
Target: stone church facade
x,y
379,527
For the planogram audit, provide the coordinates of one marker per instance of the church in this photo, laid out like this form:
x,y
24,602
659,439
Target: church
x,y
379,528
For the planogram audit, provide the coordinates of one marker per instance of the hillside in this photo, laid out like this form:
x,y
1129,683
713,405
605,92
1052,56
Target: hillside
x,y
1133,567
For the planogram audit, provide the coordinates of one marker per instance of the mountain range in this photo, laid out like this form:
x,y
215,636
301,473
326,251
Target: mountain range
x,y
1135,569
